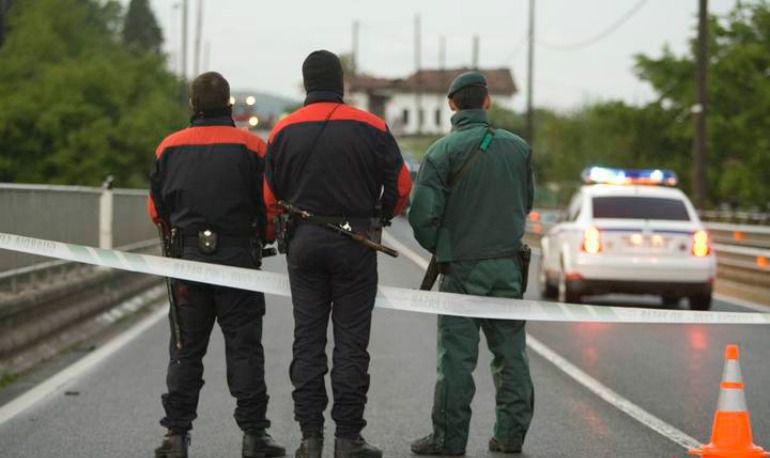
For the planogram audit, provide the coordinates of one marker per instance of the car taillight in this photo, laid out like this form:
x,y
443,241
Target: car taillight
x,y
700,244
592,241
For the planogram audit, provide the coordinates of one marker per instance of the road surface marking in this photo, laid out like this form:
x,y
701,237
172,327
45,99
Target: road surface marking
x,y
70,374
577,374
634,411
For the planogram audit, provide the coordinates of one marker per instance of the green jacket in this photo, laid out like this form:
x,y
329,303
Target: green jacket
x,y
484,214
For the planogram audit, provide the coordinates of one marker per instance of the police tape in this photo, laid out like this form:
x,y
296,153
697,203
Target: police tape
x,y
388,297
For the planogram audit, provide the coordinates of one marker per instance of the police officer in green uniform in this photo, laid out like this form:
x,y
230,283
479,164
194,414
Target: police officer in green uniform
x,y
469,205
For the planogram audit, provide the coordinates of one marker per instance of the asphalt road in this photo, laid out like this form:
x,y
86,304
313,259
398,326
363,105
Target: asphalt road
x,y
672,371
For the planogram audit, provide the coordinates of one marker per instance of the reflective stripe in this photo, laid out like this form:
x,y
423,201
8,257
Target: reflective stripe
x,y
732,401
732,371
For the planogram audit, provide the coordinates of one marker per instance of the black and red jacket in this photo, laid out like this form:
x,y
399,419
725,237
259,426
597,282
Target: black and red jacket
x,y
354,167
209,176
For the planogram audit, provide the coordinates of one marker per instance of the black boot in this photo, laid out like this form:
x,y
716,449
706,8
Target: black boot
x,y
428,445
259,444
355,448
312,446
174,445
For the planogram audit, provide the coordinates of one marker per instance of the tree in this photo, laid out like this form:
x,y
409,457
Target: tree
x,y
141,31
739,92
4,4
659,134
75,104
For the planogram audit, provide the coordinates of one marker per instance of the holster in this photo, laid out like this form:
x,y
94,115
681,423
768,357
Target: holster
x,y
375,230
174,243
525,255
284,231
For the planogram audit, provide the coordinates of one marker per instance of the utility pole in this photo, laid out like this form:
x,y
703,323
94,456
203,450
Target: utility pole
x,y
198,33
475,52
354,52
183,57
699,109
529,129
418,68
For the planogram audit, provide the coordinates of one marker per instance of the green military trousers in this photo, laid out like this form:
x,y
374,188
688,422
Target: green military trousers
x,y
457,352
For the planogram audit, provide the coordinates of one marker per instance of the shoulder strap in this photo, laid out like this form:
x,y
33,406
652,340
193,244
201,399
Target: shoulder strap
x,y
483,146
306,156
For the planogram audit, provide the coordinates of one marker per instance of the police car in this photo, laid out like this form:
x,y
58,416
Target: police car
x,y
632,232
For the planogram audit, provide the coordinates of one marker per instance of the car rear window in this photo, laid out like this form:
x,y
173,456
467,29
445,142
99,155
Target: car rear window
x,y
632,207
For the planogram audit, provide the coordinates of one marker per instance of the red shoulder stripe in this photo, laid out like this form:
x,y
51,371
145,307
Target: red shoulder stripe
x,y
208,135
318,112
256,144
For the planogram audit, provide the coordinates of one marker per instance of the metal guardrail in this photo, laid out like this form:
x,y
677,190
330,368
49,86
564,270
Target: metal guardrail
x,y
740,234
736,217
74,214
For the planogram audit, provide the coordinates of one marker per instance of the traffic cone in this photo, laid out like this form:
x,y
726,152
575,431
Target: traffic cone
x,y
731,434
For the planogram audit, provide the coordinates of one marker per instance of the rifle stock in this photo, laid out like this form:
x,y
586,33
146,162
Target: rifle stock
x,y
431,274
360,238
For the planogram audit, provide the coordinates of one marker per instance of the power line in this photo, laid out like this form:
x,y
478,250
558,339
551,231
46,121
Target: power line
x,y
517,47
600,36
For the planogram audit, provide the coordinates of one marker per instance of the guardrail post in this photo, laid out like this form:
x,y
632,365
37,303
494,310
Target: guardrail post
x,y
105,214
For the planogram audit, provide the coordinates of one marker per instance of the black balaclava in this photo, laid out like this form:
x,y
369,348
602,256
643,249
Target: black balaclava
x,y
322,71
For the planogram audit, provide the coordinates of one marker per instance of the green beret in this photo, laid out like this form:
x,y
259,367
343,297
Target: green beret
x,y
465,80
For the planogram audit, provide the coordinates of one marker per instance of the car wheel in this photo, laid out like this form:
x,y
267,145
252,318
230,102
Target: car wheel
x,y
700,302
547,290
566,292
670,301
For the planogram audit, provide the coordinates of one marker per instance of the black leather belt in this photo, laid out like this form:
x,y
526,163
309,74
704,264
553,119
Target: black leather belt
x,y
222,241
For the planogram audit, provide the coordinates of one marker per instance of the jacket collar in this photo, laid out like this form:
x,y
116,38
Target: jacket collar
x,y
322,96
467,118
201,121
218,117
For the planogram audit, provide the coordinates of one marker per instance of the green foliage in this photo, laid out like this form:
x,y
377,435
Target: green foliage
x,y
7,379
660,134
141,31
76,105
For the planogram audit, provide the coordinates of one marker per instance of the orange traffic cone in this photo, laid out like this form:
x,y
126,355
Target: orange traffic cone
x,y
731,434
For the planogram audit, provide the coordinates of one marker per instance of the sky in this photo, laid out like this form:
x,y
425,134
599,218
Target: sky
x,y
260,44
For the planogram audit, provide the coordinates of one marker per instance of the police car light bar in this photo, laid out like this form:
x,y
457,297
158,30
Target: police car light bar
x,y
607,175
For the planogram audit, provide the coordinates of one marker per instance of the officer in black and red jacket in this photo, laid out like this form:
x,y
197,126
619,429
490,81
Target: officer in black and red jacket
x,y
342,165
206,186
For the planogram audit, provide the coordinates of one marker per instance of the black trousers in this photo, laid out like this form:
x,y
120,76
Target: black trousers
x,y
331,275
239,314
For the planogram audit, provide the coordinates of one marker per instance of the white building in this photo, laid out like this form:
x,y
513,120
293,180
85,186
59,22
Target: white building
x,y
421,98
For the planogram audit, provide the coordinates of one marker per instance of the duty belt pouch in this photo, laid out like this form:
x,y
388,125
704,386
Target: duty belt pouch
x,y
525,254
207,241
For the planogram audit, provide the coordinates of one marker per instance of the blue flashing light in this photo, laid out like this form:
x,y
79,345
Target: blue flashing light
x,y
607,175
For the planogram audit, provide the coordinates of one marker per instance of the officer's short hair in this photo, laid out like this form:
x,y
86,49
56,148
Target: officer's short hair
x,y
210,91
470,98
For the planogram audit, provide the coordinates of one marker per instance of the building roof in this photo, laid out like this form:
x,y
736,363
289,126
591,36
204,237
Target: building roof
x,y
500,81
